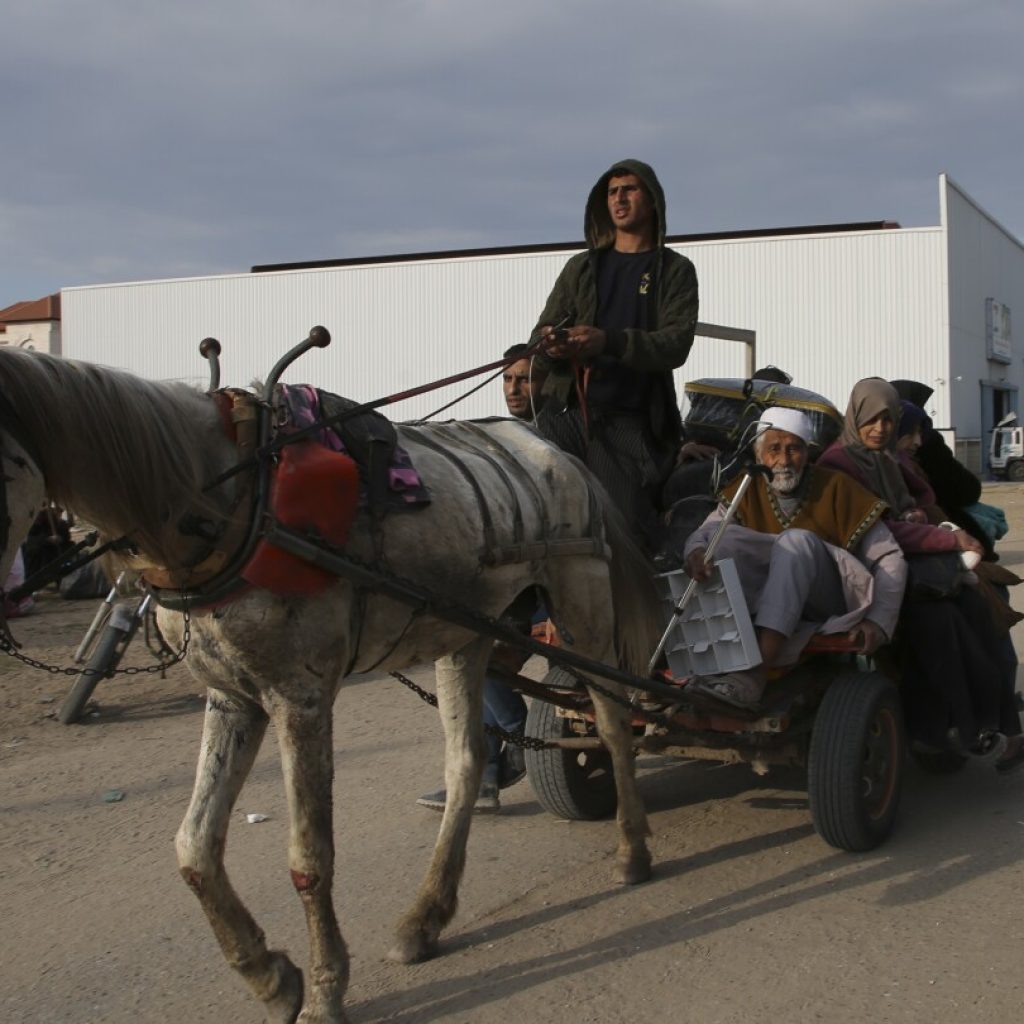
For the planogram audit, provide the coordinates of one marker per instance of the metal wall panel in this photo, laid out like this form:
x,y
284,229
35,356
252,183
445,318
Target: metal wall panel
x,y
394,326
985,262
830,309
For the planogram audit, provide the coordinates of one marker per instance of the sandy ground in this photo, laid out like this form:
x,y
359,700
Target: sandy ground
x,y
750,917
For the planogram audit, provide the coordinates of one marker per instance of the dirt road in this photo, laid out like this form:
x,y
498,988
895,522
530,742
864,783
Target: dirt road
x,y
750,916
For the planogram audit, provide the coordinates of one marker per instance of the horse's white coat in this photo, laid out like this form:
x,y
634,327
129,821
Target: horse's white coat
x,y
266,658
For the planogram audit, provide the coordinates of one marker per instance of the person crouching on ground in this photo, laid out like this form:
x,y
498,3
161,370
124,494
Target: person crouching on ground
x,y
812,556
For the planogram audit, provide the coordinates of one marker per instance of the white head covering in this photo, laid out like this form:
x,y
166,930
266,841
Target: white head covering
x,y
793,421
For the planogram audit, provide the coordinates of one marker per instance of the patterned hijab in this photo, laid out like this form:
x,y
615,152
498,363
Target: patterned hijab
x,y
881,470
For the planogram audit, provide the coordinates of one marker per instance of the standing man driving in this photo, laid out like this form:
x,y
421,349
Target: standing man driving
x,y
619,320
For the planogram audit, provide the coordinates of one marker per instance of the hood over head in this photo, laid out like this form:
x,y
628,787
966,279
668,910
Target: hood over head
x,y
881,470
870,397
913,391
913,418
597,222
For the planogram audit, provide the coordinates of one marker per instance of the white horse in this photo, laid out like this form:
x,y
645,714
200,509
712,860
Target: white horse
x,y
132,457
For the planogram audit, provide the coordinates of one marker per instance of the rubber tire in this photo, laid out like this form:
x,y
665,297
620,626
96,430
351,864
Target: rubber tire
x,y
1015,471
856,760
939,762
575,785
105,656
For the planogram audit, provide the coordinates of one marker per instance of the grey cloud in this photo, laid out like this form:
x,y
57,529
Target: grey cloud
x,y
156,140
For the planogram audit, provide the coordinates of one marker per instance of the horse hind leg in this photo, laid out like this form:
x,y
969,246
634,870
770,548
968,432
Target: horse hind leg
x,y
460,703
633,859
584,604
305,732
232,732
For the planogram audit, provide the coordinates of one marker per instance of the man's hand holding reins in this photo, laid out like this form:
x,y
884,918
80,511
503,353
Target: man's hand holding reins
x,y
580,342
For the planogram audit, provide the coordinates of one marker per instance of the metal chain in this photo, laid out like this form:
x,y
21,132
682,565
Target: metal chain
x,y
519,739
7,647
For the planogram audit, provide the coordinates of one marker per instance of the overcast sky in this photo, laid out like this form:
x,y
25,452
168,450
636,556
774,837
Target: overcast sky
x,y
145,140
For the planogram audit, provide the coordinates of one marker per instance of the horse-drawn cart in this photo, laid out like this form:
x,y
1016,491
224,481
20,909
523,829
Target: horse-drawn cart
x,y
833,713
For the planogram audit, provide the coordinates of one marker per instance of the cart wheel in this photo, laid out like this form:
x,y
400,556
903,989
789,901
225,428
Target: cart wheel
x,y
578,785
105,656
855,762
939,762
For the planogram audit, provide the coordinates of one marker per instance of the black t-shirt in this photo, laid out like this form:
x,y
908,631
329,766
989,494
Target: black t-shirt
x,y
624,281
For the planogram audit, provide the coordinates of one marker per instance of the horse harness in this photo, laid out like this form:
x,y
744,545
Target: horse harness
x,y
468,438
238,411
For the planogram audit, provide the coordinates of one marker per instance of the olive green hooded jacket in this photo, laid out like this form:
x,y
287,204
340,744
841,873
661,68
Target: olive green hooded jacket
x,y
671,316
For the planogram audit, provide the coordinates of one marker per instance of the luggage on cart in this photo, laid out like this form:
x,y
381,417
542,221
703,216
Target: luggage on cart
x,y
721,408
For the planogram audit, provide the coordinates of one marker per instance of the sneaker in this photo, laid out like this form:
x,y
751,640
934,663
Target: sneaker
x,y
1013,757
487,801
513,765
990,747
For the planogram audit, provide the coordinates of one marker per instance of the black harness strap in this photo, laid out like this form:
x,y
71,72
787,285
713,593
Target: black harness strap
x,y
440,607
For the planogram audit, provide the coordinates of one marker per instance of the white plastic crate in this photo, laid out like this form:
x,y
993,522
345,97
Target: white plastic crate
x,y
714,634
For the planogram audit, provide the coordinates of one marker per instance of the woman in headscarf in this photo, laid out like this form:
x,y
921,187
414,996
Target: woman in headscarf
x,y
956,695
955,486
957,490
866,450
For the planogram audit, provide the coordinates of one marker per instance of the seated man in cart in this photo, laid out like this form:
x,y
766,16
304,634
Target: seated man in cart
x,y
812,554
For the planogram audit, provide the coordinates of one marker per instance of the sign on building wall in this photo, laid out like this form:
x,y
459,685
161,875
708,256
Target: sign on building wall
x,y
998,342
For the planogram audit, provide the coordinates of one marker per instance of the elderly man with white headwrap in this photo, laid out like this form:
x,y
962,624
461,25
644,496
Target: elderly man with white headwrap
x,y
812,553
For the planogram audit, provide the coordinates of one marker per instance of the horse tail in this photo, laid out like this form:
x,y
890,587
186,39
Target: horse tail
x,y
639,613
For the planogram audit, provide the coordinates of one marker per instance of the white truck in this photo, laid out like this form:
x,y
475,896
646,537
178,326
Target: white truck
x,y
1006,449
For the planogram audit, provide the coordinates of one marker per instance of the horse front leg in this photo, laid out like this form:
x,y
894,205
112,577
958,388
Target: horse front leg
x,y
460,702
305,732
633,859
233,729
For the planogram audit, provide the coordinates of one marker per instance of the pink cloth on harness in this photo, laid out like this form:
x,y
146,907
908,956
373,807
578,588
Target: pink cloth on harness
x,y
405,486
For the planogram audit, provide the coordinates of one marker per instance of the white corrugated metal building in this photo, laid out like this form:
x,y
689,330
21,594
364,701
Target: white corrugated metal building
x,y
830,305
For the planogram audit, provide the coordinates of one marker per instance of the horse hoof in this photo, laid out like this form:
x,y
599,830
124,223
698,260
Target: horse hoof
x,y
634,871
412,948
313,1017
284,1005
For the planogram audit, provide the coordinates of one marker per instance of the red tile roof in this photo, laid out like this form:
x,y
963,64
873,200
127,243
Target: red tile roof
x,y
33,311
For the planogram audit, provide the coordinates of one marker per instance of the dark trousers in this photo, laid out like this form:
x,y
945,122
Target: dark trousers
x,y
955,674
619,450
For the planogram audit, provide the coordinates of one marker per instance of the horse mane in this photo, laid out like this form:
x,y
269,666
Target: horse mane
x,y
127,455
